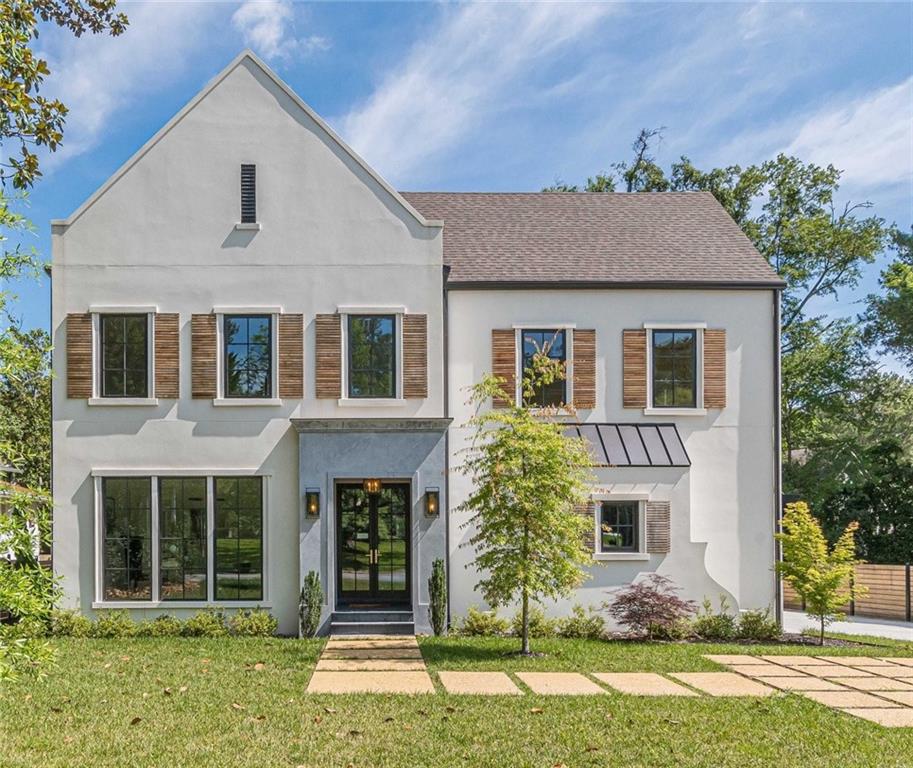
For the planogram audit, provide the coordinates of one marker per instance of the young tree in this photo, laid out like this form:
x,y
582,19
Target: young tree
x,y
527,478
822,576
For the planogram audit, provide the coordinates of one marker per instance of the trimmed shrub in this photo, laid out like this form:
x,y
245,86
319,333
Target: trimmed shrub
x,y
70,624
255,623
650,607
757,625
539,624
588,625
721,625
208,623
310,605
437,592
113,623
482,623
160,626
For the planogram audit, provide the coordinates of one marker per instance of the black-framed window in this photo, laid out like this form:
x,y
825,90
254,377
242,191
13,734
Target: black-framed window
x,y
552,343
239,538
371,344
248,355
619,526
124,355
127,535
674,369
182,538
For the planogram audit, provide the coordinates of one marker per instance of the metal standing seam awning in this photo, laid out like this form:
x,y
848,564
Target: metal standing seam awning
x,y
632,445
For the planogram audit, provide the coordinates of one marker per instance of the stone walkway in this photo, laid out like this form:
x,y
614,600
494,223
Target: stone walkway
x,y
879,690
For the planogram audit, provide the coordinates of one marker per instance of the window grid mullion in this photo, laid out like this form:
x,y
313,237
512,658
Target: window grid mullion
x,y
156,541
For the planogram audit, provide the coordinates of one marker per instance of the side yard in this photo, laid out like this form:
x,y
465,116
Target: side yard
x,y
242,702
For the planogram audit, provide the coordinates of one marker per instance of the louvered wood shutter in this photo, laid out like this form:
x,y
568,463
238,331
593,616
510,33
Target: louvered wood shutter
x,y
291,356
328,356
634,368
714,368
79,356
167,355
203,356
588,512
504,363
584,368
658,523
248,194
415,356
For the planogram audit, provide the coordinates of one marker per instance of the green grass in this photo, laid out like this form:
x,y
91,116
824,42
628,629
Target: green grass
x,y
234,714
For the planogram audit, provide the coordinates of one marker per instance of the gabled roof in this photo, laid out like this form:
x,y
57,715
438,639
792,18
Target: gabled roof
x,y
250,56
581,239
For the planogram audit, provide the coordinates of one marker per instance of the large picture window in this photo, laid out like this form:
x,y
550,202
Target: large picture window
x,y
674,369
182,538
124,355
239,538
248,356
619,526
371,346
551,343
127,537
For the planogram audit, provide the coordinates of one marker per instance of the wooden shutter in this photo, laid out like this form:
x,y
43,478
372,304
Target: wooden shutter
x,y
291,356
203,356
588,512
658,521
714,368
328,356
167,355
634,368
504,362
79,356
584,368
415,356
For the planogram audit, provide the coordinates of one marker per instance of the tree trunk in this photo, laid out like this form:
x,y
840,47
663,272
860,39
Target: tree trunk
x,y
525,649
821,637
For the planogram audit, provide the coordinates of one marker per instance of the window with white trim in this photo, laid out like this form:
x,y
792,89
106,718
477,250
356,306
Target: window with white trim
x,y
552,343
619,526
371,345
247,355
123,360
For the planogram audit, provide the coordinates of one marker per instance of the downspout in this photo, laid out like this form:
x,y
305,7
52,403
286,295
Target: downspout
x,y
778,459
446,361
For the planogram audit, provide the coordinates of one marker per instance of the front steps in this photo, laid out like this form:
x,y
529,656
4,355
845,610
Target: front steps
x,y
368,622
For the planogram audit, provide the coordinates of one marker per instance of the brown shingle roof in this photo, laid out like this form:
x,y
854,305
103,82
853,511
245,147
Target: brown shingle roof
x,y
574,238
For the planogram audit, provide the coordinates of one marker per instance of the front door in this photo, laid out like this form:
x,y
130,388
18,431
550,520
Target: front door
x,y
372,549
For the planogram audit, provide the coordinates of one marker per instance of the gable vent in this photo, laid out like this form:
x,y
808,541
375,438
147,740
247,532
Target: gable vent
x,y
248,193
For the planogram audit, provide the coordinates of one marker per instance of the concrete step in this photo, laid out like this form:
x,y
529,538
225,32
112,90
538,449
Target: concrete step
x,y
350,616
372,628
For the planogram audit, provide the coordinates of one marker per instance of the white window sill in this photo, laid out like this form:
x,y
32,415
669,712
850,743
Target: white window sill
x,y
145,604
253,226
123,401
230,402
610,556
675,411
371,402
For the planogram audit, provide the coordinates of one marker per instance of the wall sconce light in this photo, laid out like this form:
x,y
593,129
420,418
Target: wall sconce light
x,y
372,485
312,502
432,502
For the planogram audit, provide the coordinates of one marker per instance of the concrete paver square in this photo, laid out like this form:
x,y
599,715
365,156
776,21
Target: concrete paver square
x,y
556,683
346,641
873,683
895,672
892,718
371,653
370,682
800,683
734,658
855,661
479,683
643,684
765,670
846,699
832,670
901,697
723,684
800,660
903,661
369,665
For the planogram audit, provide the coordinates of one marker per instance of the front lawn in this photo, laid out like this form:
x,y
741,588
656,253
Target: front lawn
x,y
181,702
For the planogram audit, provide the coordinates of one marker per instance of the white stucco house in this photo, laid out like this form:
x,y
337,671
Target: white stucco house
x,y
261,352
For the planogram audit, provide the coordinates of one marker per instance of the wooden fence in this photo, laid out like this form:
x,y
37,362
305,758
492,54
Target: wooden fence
x,y
888,597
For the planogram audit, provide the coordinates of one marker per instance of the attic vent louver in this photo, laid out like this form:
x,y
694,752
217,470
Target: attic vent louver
x,y
248,193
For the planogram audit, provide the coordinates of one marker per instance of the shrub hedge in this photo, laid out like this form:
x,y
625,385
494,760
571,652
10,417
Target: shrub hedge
x,y
209,623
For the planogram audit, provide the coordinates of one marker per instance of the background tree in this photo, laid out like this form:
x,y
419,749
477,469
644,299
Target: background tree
x,y
821,576
889,319
527,478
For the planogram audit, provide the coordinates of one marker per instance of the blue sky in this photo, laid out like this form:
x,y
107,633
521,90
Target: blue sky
x,y
509,96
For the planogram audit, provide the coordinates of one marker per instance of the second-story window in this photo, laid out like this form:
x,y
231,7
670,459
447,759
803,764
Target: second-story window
x,y
674,368
248,355
371,343
551,343
124,355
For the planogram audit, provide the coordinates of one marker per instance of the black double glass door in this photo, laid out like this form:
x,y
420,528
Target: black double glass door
x,y
372,550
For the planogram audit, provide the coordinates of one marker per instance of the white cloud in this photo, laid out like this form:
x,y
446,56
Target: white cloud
x,y
458,76
268,26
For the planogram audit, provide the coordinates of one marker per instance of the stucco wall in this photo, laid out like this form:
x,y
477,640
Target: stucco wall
x,y
722,506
